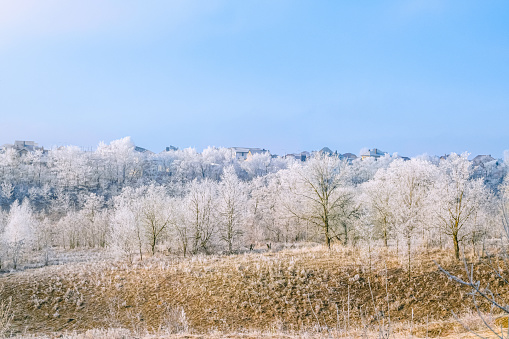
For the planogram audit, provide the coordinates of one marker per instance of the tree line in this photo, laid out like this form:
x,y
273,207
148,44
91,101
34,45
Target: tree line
x,y
183,202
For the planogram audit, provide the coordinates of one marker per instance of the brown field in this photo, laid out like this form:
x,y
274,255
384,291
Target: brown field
x,y
309,292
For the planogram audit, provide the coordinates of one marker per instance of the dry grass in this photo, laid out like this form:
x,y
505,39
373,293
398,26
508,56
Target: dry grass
x,y
6,314
309,292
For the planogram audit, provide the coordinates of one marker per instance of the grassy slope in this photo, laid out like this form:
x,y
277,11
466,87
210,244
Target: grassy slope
x,y
292,290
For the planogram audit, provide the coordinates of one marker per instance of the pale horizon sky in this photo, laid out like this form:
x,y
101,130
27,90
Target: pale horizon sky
x,y
413,77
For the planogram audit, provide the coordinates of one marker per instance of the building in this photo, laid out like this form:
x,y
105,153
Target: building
x,y
23,147
171,148
245,153
142,150
349,157
397,156
302,156
327,151
373,153
482,159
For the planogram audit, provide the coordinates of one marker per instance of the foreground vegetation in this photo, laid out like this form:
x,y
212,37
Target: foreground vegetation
x,y
136,204
309,291
120,241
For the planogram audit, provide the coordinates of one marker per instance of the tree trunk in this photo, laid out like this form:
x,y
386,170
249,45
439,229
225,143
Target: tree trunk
x,y
409,244
327,236
385,233
345,229
456,245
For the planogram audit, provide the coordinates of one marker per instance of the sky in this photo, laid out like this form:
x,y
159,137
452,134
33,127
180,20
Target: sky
x,y
413,77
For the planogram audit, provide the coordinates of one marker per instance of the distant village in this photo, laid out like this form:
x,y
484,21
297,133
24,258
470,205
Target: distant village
x,y
22,147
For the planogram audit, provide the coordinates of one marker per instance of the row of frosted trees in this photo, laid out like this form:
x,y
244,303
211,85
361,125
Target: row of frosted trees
x,y
424,202
110,168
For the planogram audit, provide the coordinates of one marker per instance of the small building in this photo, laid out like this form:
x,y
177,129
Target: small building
x,y
397,156
142,150
349,157
245,153
327,151
171,148
373,153
482,159
23,147
302,156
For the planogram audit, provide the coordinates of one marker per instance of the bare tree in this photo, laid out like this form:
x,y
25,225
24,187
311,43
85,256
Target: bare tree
x,y
232,198
459,198
325,199
377,196
19,231
200,207
410,183
483,292
126,229
156,214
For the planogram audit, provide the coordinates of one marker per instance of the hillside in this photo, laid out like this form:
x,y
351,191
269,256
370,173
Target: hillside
x,y
295,290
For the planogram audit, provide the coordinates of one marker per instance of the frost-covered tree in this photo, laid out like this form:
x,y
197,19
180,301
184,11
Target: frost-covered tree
x,y
10,167
3,245
410,182
348,213
6,193
121,162
363,170
126,235
231,207
157,212
19,230
39,196
325,199
202,201
61,203
267,218
69,228
458,199
504,206
141,220
254,218
94,220
187,165
258,165
70,167
45,237
377,196
213,160
200,206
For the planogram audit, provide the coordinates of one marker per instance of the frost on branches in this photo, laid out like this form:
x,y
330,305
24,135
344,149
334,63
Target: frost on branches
x,y
134,204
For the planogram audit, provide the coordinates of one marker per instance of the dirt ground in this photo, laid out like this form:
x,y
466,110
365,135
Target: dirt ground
x,y
312,289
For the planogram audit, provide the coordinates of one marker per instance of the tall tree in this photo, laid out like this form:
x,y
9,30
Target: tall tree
x,y
410,183
19,231
231,205
458,199
324,195
200,214
377,196
127,234
157,214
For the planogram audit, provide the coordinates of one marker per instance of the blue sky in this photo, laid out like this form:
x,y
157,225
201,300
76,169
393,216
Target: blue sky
x,y
415,76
